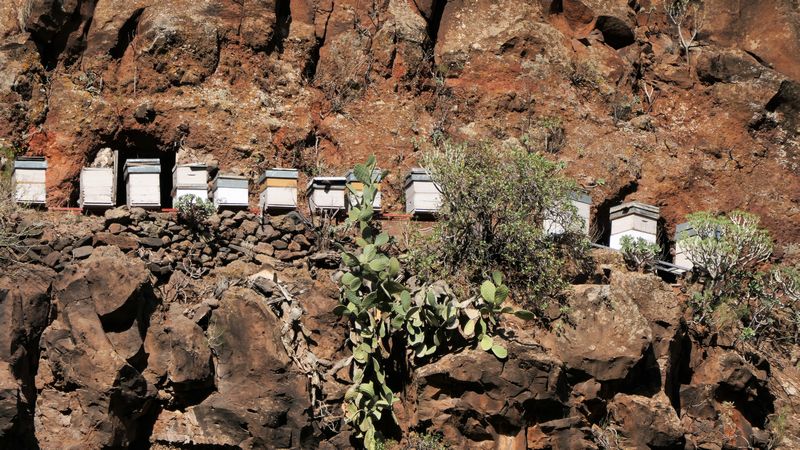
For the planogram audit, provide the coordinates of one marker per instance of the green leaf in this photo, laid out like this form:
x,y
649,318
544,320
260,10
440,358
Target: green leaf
x,y
499,351
369,253
382,239
362,173
361,353
348,279
350,259
497,277
361,242
379,264
524,314
486,342
501,294
367,389
394,267
469,328
487,291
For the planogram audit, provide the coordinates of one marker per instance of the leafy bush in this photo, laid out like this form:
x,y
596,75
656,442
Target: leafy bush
x,y
384,312
494,202
194,210
639,253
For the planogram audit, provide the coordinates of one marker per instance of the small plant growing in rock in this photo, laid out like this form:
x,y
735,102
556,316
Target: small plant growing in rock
x,y
639,253
384,312
725,252
194,210
688,16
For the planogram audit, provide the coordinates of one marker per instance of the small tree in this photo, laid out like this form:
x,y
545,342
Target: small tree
x,y
639,253
194,210
688,16
494,204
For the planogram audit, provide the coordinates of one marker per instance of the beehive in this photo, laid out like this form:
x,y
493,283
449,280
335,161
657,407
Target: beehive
x,y
683,231
143,183
281,190
352,181
423,196
98,188
189,179
326,193
583,207
28,180
633,219
231,191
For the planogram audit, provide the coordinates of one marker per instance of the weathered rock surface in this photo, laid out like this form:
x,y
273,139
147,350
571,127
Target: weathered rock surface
x,y
260,399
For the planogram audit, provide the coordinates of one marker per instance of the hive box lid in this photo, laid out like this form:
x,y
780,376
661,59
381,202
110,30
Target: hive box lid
x,y
377,175
417,174
635,208
327,183
198,166
149,165
231,181
278,172
30,162
581,197
683,230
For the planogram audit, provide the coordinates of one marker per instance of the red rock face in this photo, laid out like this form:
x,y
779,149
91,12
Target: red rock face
x,y
322,85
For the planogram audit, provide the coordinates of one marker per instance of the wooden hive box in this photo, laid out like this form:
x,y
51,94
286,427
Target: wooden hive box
x,y
231,191
683,231
582,203
326,193
98,188
352,199
633,219
143,183
423,196
28,180
189,179
281,190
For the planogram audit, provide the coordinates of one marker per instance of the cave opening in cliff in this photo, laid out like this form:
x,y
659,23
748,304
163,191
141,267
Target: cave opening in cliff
x,y
132,144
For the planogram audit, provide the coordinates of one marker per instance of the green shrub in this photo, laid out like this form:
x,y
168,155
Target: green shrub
x,y
194,210
639,253
494,202
725,252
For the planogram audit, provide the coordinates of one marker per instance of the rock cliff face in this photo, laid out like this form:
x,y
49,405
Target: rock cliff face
x,y
127,338
133,331
601,84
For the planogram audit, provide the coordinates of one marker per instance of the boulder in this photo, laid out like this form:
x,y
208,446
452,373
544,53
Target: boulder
x,y
478,401
179,358
260,399
606,336
116,285
647,422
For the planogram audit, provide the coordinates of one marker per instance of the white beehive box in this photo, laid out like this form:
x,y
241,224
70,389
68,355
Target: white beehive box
x,y
281,190
683,231
352,199
423,196
189,179
326,193
633,219
98,188
143,183
583,206
28,180
231,191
